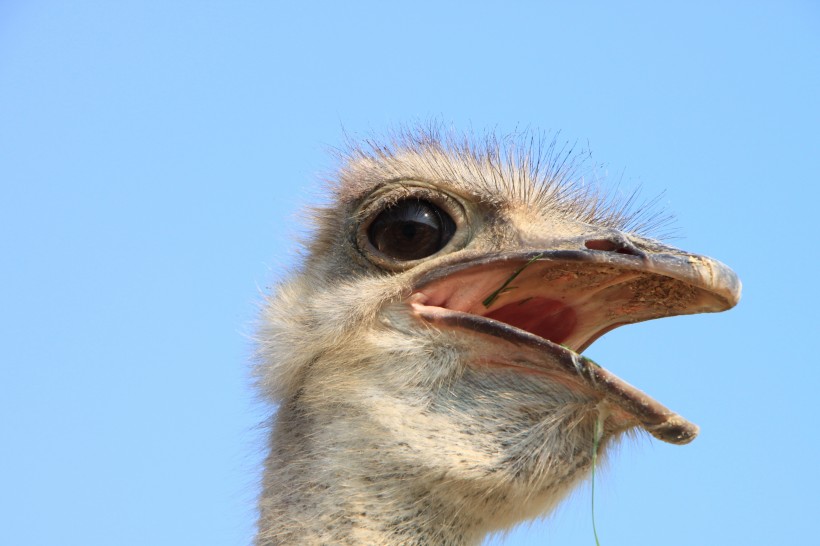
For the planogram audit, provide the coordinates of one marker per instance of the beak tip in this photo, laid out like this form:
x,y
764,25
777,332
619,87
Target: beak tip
x,y
675,430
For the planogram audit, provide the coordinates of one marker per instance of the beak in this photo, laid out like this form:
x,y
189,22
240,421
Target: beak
x,y
537,310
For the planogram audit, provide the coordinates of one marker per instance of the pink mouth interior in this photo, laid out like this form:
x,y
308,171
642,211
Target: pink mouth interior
x,y
546,318
565,303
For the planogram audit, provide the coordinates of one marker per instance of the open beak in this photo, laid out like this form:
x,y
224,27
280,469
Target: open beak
x,y
538,310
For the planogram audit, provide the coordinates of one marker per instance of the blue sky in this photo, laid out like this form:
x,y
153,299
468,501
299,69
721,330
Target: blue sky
x,y
153,160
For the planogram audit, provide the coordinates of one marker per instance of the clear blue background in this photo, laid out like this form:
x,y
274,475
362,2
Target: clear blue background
x,y
153,159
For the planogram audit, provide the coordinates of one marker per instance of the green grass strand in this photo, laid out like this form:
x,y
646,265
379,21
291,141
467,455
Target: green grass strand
x,y
599,425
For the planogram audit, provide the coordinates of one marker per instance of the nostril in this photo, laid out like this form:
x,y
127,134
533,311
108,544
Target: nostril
x,y
608,245
601,244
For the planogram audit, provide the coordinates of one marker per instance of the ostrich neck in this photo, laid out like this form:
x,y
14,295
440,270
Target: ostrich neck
x,y
321,488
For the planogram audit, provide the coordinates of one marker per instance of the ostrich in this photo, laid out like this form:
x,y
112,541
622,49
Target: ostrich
x,y
426,356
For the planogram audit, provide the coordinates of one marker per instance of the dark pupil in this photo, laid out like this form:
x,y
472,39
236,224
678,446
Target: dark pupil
x,y
411,229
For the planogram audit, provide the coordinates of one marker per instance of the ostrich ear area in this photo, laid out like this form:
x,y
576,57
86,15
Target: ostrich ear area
x,y
535,312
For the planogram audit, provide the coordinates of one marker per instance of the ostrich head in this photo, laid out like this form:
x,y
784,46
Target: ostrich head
x,y
426,356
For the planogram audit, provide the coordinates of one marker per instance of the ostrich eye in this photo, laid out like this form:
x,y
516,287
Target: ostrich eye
x,y
411,229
